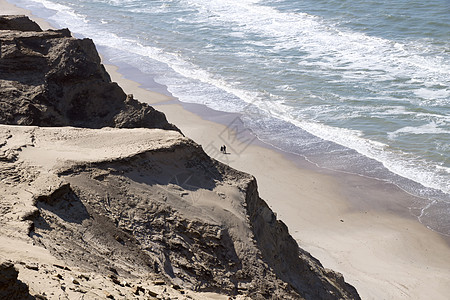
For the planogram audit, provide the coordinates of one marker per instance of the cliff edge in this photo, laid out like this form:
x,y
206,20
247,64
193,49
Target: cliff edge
x,y
49,78
134,211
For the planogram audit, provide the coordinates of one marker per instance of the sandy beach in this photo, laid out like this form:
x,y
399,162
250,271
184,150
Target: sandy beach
x,y
357,226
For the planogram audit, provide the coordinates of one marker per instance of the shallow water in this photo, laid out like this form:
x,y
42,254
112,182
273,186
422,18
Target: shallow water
x,y
354,86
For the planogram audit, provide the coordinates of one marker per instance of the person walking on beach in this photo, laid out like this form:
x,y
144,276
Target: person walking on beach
x,y
224,149
221,149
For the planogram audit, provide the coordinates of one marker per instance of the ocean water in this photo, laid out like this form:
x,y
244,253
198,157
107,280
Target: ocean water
x,y
356,86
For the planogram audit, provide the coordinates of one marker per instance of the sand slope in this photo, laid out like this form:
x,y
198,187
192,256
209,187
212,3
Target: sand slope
x,y
142,205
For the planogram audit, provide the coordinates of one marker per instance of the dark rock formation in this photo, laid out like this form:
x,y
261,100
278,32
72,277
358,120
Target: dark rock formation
x,y
20,23
52,79
10,286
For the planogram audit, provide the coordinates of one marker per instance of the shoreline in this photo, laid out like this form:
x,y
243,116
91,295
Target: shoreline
x,y
232,124
353,225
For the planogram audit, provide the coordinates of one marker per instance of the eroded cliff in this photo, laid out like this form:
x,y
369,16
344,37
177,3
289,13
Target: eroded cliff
x,y
130,205
49,78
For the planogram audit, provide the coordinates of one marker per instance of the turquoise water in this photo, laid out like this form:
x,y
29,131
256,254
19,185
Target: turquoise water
x,y
355,86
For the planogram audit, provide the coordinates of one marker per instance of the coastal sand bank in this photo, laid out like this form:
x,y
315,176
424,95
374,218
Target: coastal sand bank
x,y
357,226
